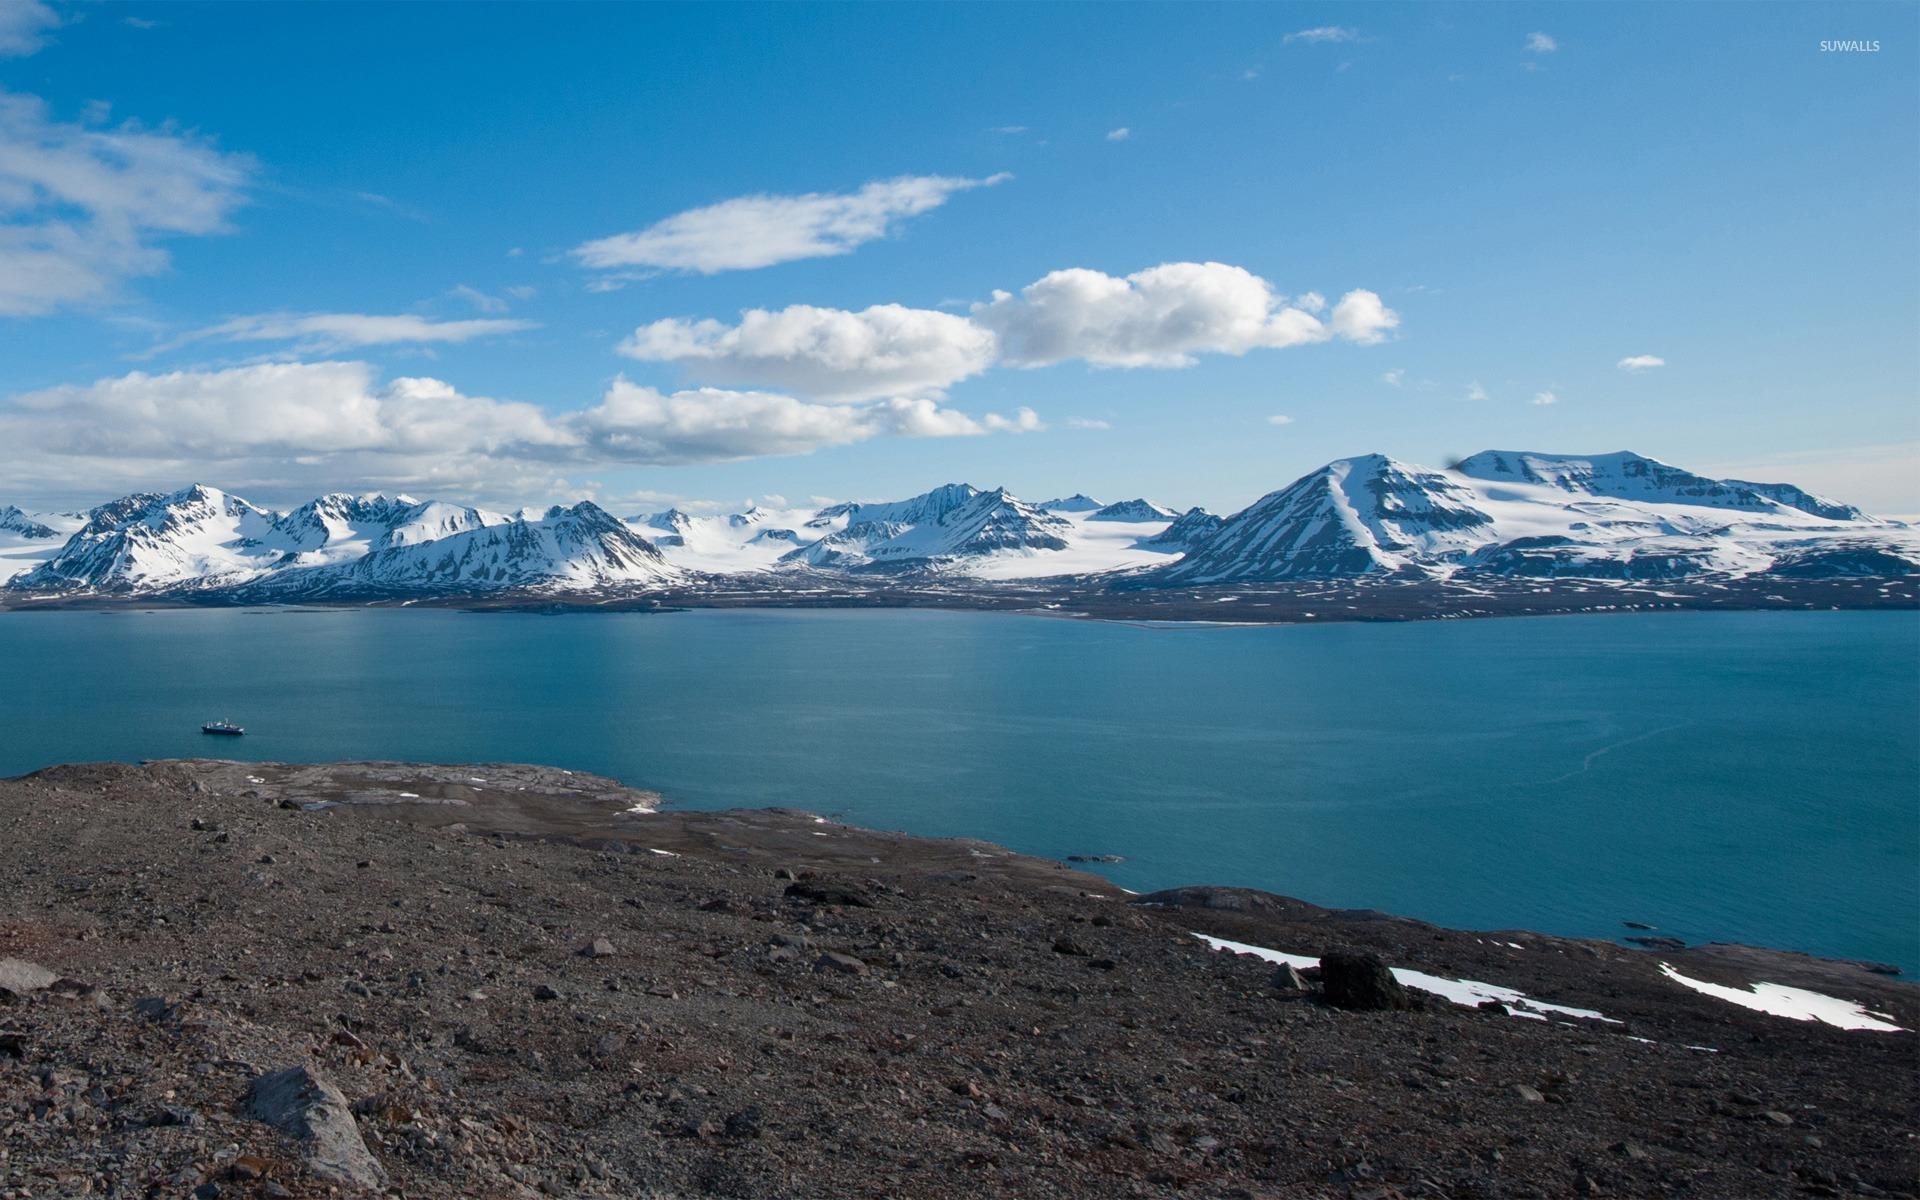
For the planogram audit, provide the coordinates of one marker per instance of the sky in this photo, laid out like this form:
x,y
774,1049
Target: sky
x,y
713,254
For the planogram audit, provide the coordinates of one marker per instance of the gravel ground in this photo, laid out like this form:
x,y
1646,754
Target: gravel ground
x,y
500,981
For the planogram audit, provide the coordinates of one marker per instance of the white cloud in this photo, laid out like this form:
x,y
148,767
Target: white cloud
x,y
81,207
332,424
316,332
1323,33
1279,419
759,231
1395,378
1641,362
824,352
1119,135
1088,423
1545,398
481,301
24,25
1475,391
1008,130
1163,316
1541,43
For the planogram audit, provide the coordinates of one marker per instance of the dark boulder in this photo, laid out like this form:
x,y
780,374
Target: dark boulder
x,y
1362,981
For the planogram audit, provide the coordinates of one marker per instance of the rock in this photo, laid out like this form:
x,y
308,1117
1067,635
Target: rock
x,y
156,1008
19,977
1358,980
1778,1118
1287,978
1638,925
1066,945
598,948
1530,1095
543,991
746,1123
845,964
305,1106
810,891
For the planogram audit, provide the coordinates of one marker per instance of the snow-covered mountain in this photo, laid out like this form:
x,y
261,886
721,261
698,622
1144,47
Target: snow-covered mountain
x,y
28,539
1134,511
1186,530
952,522
1079,502
1498,513
1618,516
579,549
18,523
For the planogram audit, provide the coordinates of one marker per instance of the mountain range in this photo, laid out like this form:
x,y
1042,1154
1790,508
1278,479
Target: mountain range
x,y
1497,514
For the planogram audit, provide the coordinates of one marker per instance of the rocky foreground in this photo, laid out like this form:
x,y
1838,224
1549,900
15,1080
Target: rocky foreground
x,y
222,979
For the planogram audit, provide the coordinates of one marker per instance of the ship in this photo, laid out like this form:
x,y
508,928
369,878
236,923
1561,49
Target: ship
x,y
226,728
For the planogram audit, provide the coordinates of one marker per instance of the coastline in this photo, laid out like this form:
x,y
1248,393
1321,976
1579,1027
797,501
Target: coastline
x,y
786,1005
1319,602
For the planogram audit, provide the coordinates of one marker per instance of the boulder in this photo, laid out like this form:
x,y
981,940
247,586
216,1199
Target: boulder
x,y
19,977
1359,980
305,1106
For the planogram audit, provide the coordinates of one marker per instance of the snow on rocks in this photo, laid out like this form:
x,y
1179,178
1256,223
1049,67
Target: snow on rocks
x,y
1469,993
1797,1004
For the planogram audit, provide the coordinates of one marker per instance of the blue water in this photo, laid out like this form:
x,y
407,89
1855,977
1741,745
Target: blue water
x,y
1738,776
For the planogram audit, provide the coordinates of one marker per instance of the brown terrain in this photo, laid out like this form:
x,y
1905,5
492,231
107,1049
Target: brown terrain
x,y
259,980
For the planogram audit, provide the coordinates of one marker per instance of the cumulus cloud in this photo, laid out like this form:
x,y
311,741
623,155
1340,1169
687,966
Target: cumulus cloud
x,y
1163,316
1476,392
1541,43
81,208
760,231
1323,33
1088,423
1545,398
326,332
1119,135
24,25
824,352
1641,362
332,424
1395,378
1279,419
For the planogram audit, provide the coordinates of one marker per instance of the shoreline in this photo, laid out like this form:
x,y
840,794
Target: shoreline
x,y
516,984
1319,602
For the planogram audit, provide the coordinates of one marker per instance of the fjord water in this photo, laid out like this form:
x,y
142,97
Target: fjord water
x,y
1741,776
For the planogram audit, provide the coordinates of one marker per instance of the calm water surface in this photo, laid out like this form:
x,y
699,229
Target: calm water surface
x,y
1740,776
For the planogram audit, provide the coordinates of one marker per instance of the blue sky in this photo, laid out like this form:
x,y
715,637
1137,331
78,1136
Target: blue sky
x,y
503,252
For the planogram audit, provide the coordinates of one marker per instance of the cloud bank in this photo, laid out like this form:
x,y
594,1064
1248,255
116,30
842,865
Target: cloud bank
x,y
1161,317
337,423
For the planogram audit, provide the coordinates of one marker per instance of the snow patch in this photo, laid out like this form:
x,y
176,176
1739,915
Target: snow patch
x,y
1797,1004
1469,993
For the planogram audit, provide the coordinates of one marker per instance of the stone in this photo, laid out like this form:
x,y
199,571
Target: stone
x,y
1066,945
814,892
1778,1118
1359,980
306,1106
545,992
845,964
1287,978
598,948
156,1008
1529,1094
19,977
